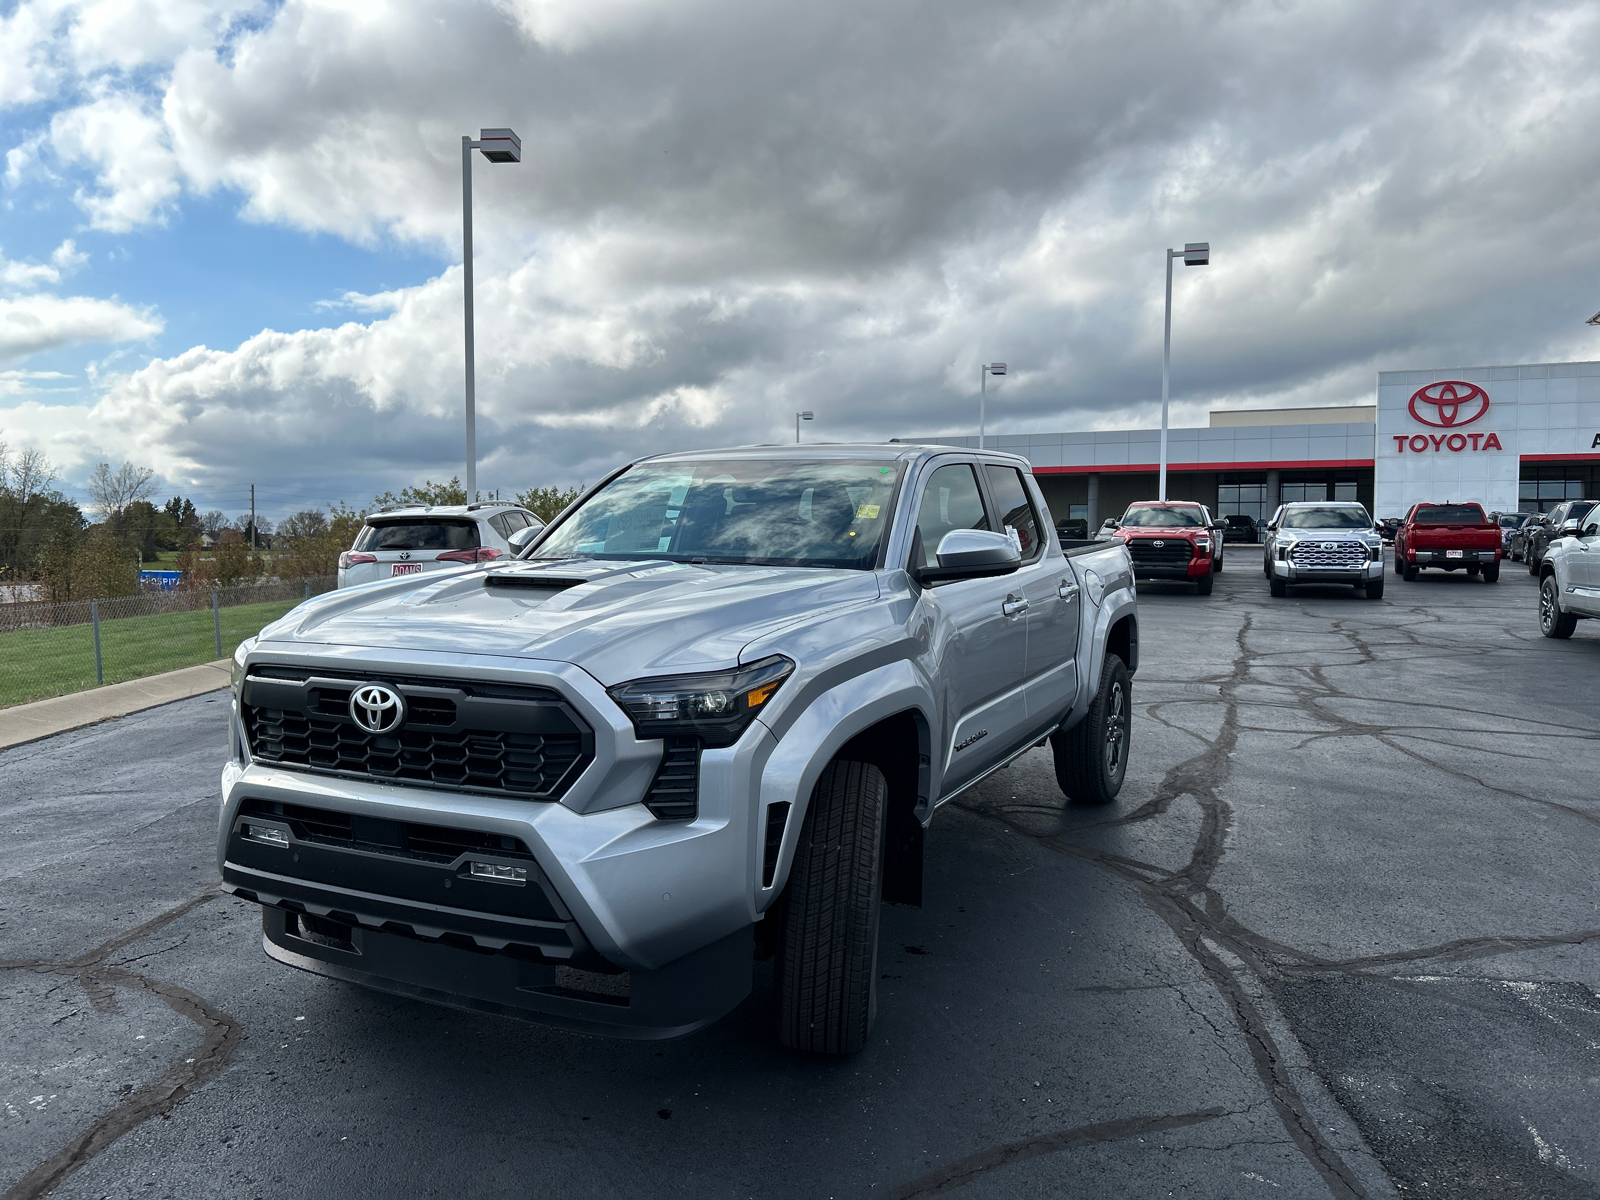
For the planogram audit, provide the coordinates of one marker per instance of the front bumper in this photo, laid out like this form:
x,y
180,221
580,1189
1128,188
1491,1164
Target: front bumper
x,y
1289,572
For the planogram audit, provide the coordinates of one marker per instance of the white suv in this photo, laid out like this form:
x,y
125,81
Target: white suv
x,y
412,539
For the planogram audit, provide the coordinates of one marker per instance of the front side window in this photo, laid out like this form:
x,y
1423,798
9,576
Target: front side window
x,y
950,501
1353,517
417,533
761,512
1017,515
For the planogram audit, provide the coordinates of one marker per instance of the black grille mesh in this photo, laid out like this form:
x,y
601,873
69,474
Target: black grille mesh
x,y
1173,552
674,793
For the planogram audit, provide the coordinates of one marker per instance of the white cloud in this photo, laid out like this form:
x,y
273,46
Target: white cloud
x,y
66,259
34,324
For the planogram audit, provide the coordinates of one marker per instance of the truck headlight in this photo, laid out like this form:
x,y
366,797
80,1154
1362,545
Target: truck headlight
x,y
716,707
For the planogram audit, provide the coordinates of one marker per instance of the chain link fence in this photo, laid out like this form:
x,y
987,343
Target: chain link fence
x,y
51,649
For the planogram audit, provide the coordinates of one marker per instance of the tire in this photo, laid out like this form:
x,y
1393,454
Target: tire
x,y
1399,564
1410,573
1491,573
1554,623
827,968
1217,565
1277,587
1266,566
1533,564
1375,588
1092,757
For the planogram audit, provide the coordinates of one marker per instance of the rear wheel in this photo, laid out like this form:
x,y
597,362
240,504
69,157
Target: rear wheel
x,y
827,969
1554,623
1277,586
1410,573
1092,757
1491,573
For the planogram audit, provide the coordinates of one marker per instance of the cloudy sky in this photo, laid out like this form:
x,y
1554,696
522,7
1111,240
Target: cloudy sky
x,y
230,229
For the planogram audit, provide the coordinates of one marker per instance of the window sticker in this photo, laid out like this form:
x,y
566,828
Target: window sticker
x,y
866,511
1016,538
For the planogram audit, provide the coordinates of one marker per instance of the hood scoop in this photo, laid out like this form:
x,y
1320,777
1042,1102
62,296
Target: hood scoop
x,y
544,583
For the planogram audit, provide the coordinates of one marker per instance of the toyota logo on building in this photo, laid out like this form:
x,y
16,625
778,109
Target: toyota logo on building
x,y
1449,404
376,708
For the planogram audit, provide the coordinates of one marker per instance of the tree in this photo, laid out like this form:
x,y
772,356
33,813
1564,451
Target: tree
x,y
33,516
310,542
310,522
429,493
25,473
213,522
88,567
137,526
112,491
546,502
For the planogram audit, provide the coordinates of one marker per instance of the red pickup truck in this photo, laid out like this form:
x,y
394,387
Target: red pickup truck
x,y
1451,536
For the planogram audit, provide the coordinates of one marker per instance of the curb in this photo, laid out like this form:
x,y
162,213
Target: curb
x,y
23,723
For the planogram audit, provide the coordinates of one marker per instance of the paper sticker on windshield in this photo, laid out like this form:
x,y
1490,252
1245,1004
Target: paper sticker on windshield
x,y
1016,538
866,511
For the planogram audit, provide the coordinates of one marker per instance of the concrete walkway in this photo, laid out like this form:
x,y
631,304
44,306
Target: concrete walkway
x,y
30,722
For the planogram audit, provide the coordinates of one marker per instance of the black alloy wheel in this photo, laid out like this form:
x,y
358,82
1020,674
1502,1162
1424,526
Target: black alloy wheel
x,y
1091,758
1554,623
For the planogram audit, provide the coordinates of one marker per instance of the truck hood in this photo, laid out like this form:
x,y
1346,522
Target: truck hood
x,y
616,620
1162,531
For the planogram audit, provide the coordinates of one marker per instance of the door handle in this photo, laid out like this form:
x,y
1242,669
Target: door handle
x,y
1067,590
1014,608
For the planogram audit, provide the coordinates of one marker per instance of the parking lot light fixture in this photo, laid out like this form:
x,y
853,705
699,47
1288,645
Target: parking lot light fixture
x,y
1194,254
798,417
984,371
498,146
1594,320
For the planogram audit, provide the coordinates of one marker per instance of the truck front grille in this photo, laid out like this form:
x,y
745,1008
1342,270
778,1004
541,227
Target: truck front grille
x,y
1330,556
500,739
1160,552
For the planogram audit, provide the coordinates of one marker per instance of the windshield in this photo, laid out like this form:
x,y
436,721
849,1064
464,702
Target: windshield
x,y
1241,522
1510,520
759,511
1330,517
418,533
1167,515
1450,514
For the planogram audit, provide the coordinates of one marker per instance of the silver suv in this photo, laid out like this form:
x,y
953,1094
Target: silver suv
x,y
1569,575
1322,542
705,719
412,539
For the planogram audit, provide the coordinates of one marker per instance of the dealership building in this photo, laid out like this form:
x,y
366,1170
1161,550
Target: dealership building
x,y
1511,438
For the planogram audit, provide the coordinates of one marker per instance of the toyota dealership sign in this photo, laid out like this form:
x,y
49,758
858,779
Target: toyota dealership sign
x,y
1448,406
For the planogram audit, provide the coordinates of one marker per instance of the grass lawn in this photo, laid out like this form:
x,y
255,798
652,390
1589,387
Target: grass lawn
x,y
39,663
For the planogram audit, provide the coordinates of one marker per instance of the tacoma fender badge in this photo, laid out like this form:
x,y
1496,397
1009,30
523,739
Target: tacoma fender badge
x,y
977,737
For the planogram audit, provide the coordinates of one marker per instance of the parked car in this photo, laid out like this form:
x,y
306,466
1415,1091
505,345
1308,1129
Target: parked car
x,y
1323,542
1074,529
1388,527
1236,527
1509,523
1569,574
1517,543
1540,536
415,539
1453,537
1172,539
704,718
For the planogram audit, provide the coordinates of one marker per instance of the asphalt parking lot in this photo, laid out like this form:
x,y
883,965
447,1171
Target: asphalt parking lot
x,y
1339,936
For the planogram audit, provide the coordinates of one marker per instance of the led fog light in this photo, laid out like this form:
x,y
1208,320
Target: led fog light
x,y
267,835
496,871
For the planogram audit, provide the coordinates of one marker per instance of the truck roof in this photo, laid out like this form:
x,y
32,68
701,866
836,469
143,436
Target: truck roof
x,y
851,451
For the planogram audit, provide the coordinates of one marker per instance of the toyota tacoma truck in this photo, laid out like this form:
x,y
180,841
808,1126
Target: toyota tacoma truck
x,y
1451,536
1318,542
703,718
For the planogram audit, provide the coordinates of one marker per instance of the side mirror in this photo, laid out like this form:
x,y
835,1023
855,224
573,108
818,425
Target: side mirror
x,y
1272,526
972,554
1570,528
520,539
1109,523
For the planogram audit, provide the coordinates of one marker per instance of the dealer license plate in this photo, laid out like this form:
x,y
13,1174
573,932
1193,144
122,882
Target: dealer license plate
x,y
1447,554
416,568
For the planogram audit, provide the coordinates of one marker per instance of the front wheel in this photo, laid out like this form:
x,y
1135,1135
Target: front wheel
x,y
1202,587
827,969
1217,564
1092,757
1277,586
1375,588
1554,623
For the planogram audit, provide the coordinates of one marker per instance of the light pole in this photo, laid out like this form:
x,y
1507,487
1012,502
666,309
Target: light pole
x,y
1194,254
498,146
798,417
984,371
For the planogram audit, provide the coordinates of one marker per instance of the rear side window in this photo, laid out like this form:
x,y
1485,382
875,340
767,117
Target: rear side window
x,y
418,533
1450,514
1017,516
950,500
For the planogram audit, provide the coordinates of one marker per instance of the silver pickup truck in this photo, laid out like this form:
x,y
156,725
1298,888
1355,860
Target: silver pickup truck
x,y
703,718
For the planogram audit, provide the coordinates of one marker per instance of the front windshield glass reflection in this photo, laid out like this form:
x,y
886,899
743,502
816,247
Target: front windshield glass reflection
x,y
1349,517
758,511
1169,515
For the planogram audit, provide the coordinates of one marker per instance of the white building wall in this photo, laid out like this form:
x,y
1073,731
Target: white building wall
x,y
1541,409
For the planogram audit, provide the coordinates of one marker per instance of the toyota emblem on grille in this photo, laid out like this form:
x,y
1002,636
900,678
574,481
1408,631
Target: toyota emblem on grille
x,y
376,708
1158,543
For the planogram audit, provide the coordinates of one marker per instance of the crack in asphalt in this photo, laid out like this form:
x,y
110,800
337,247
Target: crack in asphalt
x,y
965,1170
221,1037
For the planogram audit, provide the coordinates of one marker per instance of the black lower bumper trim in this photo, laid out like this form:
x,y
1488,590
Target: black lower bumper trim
x,y
679,998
